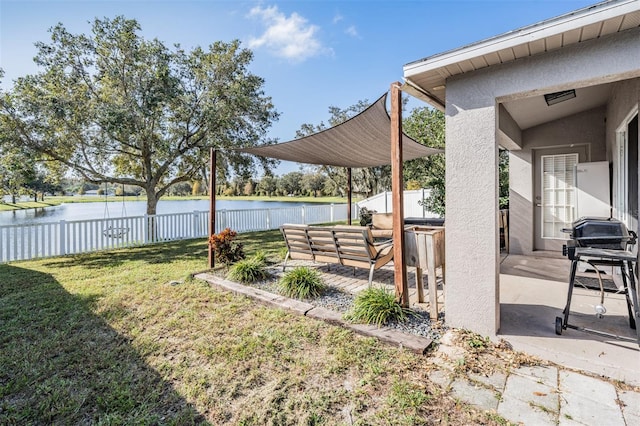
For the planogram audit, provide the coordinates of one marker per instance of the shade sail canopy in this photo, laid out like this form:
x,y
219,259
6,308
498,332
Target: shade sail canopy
x,y
362,141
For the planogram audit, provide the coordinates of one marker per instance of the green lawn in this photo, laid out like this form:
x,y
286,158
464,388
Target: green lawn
x,y
127,337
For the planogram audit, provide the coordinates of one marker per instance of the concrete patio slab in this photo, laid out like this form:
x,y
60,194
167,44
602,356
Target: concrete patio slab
x,y
530,302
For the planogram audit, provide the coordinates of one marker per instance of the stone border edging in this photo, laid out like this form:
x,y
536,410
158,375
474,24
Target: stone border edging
x,y
416,344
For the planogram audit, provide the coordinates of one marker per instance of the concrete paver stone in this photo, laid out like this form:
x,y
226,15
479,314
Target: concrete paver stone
x,y
588,388
440,378
516,410
496,380
630,406
530,391
566,420
547,375
588,400
477,395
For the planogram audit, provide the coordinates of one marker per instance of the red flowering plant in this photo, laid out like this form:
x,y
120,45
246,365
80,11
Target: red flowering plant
x,y
226,250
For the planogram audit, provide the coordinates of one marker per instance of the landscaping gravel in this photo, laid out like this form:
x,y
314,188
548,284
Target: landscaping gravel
x,y
339,301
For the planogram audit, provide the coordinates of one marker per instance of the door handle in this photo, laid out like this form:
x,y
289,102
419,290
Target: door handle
x,y
538,205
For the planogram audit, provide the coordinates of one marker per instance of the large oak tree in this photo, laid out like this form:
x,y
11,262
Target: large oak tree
x,y
116,107
427,126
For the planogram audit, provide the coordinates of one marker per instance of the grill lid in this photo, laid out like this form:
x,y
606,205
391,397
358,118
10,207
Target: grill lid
x,y
600,232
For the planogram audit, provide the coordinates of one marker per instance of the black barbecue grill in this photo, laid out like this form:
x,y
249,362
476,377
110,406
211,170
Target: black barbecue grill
x,y
599,232
602,242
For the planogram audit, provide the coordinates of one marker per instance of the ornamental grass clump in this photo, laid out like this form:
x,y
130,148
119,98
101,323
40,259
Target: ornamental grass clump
x,y
261,257
302,283
377,306
249,270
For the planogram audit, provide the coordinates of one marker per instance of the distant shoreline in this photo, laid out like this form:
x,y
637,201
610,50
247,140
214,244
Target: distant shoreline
x,y
53,201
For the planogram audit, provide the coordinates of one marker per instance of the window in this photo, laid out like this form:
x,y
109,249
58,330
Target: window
x,y
558,193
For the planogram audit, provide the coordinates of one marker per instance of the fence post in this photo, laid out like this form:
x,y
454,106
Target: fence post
x,y
63,239
332,213
195,229
268,218
386,204
145,229
302,212
424,213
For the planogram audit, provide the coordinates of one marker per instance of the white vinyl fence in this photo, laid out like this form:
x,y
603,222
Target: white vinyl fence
x,y
22,242
381,203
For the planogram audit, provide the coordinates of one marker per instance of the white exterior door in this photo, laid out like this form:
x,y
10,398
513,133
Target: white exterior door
x,y
555,194
558,193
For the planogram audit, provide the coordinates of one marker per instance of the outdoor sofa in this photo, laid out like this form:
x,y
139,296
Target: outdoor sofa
x,y
344,245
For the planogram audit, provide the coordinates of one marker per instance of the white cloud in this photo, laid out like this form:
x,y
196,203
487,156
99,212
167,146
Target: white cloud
x,y
292,37
337,18
352,31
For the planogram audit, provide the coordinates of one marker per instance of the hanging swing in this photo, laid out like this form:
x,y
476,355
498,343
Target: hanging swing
x,y
114,231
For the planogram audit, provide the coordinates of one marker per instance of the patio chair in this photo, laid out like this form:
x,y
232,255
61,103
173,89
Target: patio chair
x,y
298,247
355,247
382,225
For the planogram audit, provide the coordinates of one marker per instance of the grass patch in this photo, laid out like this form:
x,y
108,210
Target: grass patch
x,y
122,337
377,306
302,283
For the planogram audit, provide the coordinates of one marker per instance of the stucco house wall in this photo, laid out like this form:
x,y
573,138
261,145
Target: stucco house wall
x,y
586,128
472,250
624,96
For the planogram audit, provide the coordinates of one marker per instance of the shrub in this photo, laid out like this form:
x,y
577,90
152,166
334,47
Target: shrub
x,y
377,306
248,271
225,248
366,216
302,283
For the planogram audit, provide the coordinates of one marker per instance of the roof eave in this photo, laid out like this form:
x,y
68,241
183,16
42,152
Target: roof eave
x,y
558,25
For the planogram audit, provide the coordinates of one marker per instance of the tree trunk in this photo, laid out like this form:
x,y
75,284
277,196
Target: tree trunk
x,y
13,198
152,203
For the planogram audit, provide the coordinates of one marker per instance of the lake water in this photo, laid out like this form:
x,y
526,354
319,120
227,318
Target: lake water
x,y
101,210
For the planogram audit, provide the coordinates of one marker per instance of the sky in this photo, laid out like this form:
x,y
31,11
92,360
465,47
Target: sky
x,y
312,54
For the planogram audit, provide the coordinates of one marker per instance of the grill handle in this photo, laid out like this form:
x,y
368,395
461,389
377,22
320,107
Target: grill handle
x,y
569,250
